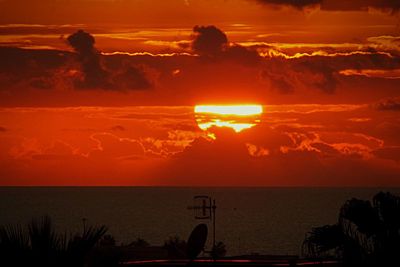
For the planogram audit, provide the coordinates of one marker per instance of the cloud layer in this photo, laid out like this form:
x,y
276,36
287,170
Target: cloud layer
x,y
307,145
341,5
207,68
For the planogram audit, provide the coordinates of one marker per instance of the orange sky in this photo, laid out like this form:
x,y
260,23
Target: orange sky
x,y
102,92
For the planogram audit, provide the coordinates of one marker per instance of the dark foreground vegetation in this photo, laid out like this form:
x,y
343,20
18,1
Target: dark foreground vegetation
x,y
39,244
366,234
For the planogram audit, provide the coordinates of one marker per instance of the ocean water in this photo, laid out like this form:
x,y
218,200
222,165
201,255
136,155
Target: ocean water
x,y
248,220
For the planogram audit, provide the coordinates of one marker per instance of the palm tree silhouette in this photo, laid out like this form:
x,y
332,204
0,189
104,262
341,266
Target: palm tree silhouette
x,y
38,244
366,234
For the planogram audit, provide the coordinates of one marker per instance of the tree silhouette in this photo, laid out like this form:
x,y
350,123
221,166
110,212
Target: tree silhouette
x,y
139,243
218,251
366,234
176,248
38,244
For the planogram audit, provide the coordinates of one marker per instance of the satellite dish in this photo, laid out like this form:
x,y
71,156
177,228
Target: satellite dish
x,y
197,240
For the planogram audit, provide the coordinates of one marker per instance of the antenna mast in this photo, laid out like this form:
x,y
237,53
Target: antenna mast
x,y
205,209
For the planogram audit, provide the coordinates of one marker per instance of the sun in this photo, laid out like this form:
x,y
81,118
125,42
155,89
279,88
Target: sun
x,y
238,110
237,117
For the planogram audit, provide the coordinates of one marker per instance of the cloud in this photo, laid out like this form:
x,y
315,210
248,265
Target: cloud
x,y
359,119
353,150
95,75
342,5
235,160
58,151
272,139
209,41
323,71
299,4
117,128
287,76
337,5
130,77
374,73
386,43
257,151
25,149
29,68
227,142
31,148
242,54
389,104
278,81
322,76
292,145
325,149
220,66
82,42
392,153
113,147
53,70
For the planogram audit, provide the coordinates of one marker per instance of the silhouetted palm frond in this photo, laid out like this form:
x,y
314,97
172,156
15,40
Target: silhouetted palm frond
x,y
388,208
78,246
14,245
365,235
362,214
322,239
45,243
38,244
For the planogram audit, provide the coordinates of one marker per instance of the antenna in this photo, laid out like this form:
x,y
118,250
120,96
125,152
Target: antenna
x,y
204,208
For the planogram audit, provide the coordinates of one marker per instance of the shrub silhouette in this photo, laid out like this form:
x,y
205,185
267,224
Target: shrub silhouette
x,y
105,253
176,248
38,244
218,251
366,234
139,243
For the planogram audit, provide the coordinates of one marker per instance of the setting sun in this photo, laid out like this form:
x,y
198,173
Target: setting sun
x,y
238,110
237,117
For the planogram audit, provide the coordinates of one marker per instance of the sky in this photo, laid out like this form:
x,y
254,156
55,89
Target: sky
x,y
103,92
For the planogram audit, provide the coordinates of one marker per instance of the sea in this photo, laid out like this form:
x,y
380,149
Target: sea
x,y
247,220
